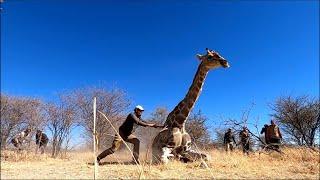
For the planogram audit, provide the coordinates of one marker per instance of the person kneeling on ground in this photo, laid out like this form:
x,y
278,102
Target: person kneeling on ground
x,y
41,141
126,134
20,138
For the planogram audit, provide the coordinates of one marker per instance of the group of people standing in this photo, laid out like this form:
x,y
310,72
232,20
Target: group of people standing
x,y
229,140
41,140
272,138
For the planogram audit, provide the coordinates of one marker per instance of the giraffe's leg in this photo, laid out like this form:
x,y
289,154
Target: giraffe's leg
x,y
161,155
166,154
187,154
164,144
157,144
191,156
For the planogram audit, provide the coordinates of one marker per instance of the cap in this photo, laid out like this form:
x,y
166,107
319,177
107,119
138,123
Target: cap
x,y
139,107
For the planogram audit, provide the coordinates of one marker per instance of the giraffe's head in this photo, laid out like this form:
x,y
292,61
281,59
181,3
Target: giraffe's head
x,y
212,59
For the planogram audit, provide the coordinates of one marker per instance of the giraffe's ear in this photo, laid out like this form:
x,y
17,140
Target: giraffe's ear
x,y
199,56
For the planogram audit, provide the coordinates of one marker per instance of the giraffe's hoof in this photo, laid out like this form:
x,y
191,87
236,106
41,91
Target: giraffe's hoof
x,y
164,160
207,157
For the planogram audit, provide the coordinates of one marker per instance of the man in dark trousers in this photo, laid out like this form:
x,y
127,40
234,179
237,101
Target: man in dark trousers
x,y
245,140
266,135
272,135
125,131
229,140
41,141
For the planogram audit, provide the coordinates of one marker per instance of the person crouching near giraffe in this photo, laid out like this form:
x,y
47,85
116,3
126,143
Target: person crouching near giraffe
x,y
126,134
229,140
41,141
20,138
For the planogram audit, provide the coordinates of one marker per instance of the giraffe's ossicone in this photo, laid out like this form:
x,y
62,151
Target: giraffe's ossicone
x,y
173,141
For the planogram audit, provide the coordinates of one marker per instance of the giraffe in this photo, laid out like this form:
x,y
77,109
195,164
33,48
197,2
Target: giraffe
x,y
173,140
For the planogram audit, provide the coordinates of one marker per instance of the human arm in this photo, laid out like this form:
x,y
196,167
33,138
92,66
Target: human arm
x,y
37,139
280,135
158,126
234,140
140,122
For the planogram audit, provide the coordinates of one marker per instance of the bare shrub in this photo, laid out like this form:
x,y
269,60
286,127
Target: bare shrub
x,y
17,113
255,140
112,102
299,117
61,118
197,128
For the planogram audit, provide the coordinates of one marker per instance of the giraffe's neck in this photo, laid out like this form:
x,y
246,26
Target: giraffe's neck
x,y
180,113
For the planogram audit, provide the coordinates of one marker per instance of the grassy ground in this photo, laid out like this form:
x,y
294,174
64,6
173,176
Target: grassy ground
x,y
296,164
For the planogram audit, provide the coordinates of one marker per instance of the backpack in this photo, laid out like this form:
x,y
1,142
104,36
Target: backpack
x,y
273,131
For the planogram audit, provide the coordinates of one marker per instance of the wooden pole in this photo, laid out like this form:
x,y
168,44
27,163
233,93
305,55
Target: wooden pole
x,y
94,138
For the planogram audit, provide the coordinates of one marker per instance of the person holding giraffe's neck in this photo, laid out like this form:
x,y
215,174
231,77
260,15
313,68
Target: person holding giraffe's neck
x,y
126,134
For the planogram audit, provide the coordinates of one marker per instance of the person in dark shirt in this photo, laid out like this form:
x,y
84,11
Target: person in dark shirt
x,y
245,140
41,141
229,140
126,134
272,135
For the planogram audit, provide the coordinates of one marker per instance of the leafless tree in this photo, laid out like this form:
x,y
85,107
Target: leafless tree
x,y
159,115
298,117
61,118
17,113
237,125
197,128
112,102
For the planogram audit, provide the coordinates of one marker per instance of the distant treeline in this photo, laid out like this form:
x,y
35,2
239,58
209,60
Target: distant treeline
x,y
298,118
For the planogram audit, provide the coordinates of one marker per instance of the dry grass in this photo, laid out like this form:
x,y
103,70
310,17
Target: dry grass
x,y
295,164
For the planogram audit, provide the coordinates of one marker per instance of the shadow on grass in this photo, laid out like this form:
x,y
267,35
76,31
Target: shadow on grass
x,y
113,162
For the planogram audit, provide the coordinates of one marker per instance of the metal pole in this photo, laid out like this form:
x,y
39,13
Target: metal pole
x,y
94,138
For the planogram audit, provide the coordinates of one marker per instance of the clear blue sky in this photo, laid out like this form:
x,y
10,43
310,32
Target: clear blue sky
x,y
148,49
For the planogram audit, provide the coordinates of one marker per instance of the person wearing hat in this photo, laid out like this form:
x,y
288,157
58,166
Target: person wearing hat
x,y
229,140
126,134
